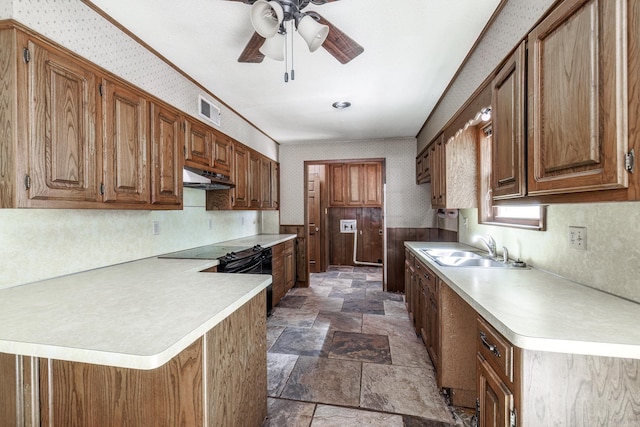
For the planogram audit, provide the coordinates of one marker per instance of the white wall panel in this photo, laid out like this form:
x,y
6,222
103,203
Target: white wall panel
x,y
408,204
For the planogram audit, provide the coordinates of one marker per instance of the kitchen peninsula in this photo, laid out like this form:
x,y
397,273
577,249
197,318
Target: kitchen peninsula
x,y
148,342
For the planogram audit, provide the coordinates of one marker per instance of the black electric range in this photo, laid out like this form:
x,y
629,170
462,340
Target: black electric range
x,y
206,252
234,259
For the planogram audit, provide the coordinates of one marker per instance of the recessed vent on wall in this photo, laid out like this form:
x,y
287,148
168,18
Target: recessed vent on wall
x,y
209,111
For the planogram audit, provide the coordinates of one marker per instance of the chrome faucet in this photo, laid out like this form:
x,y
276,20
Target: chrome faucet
x,y
489,242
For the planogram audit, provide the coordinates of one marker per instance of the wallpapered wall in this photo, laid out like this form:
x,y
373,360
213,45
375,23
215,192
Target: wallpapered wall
x,y
74,25
610,262
512,24
37,244
408,204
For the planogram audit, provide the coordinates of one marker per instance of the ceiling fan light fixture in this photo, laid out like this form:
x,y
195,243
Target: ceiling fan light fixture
x,y
313,33
341,105
273,47
266,17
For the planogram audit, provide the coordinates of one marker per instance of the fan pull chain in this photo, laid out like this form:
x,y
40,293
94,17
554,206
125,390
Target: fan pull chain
x,y
286,56
293,73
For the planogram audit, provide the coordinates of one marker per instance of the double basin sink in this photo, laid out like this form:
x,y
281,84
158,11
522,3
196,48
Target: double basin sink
x,y
461,258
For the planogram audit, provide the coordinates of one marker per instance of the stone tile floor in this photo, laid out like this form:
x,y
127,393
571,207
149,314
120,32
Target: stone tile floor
x,y
342,353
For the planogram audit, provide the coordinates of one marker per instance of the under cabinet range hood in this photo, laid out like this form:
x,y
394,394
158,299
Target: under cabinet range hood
x,y
205,180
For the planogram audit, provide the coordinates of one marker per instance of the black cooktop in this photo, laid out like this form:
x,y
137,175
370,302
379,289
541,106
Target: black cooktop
x,y
205,252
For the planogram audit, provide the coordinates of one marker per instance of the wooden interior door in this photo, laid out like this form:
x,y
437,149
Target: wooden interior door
x,y
314,222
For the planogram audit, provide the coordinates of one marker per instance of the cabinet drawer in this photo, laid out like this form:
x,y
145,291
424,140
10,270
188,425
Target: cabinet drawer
x,y
427,276
496,350
410,258
288,245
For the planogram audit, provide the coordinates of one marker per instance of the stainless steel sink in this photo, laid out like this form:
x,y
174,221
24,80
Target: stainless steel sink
x,y
471,262
450,253
461,258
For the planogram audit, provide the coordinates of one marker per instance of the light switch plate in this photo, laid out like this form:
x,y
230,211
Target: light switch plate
x,y
348,226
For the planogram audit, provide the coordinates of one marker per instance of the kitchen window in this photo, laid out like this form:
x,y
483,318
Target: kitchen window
x,y
532,217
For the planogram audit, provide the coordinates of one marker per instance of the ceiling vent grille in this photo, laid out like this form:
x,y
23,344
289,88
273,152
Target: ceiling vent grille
x,y
209,111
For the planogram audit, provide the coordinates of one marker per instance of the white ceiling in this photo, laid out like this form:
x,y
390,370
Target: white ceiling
x,y
412,49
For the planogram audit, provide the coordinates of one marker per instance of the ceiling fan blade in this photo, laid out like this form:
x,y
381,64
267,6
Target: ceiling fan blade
x,y
251,53
338,44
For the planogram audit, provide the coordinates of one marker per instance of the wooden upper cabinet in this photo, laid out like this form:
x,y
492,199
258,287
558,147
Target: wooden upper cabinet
x,y
198,152
577,98
356,184
166,165
453,171
265,183
222,153
372,184
255,189
508,151
275,187
126,144
63,150
240,193
337,175
423,167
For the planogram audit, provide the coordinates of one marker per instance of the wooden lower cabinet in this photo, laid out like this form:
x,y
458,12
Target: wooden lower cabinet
x,y
495,400
283,269
289,265
219,380
509,386
277,273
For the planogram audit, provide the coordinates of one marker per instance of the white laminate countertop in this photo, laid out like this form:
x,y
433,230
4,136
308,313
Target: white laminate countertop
x,y
264,240
137,315
540,311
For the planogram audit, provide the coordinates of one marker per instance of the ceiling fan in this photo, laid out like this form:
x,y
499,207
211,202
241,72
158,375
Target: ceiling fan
x,y
269,18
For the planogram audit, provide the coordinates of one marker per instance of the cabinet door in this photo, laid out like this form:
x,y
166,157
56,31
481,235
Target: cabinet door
x,y
355,185
495,398
63,151
222,153
507,165
289,266
338,180
255,188
198,151
278,272
240,193
577,94
438,173
275,185
126,144
433,325
265,183
167,142
372,184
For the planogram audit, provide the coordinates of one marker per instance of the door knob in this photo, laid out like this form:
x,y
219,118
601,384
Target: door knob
x,y
317,229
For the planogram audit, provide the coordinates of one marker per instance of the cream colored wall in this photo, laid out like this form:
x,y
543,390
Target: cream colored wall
x,y
611,261
408,204
511,25
37,243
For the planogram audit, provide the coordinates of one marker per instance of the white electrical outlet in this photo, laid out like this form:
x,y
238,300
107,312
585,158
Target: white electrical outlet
x,y
156,228
578,237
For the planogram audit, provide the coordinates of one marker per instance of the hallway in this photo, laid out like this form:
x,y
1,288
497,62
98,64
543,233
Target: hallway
x,y
342,352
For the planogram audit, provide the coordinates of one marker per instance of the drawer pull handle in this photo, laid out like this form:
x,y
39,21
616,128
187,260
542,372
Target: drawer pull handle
x,y
426,276
492,348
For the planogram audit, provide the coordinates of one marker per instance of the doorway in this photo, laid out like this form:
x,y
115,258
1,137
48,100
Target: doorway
x,y
339,190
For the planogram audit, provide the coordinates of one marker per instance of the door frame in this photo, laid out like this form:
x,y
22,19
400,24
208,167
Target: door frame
x,y
324,202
